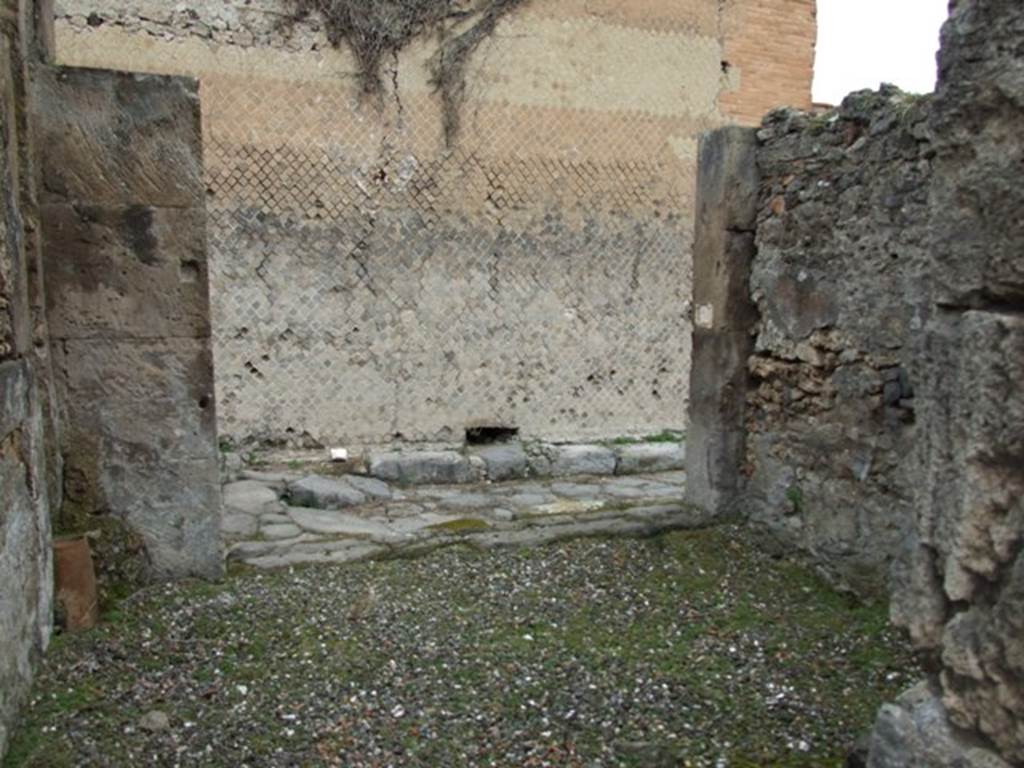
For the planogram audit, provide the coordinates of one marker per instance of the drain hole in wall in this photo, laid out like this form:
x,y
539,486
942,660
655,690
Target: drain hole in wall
x,y
490,435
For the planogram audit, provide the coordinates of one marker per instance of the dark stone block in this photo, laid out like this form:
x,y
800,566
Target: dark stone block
x,y
117,138
125,271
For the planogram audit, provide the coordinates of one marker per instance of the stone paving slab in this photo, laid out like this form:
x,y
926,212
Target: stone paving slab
x,y
382,521
650,457
337,523
324,493
376,471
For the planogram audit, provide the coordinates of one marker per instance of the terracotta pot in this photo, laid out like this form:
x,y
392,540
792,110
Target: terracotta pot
x,y
75,583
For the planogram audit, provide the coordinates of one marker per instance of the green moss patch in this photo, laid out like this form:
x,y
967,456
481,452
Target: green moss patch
x,y
463,525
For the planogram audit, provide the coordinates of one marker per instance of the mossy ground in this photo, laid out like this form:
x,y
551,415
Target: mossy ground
x,y
688,649
665,436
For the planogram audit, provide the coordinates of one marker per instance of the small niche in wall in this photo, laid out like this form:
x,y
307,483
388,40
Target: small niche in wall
x,y
490,435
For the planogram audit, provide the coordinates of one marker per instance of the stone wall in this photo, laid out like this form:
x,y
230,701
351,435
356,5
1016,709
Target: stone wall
x,y
884,417
727,195
124,252
842,231
372,284
29,469
960,587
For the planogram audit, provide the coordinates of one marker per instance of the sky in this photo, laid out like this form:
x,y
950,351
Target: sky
x,y
863,43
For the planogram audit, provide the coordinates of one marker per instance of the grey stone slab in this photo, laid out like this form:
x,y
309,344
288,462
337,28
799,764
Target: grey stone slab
x,y
249,497
274,517
650,457
468,501
576,489
530,499
403,510
422,468
336,523
239,524
243,550
716,434
421,522
626,481
150,400
581,460
277,480
343,549
277,531
140,437
513,488
177,508
663,490
681,512
569,507
727,187
324,493
626,491
357,551
539,464
371,487
506,461
128,271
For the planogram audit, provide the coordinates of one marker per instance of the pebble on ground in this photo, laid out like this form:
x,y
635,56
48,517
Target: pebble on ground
x,y
689,649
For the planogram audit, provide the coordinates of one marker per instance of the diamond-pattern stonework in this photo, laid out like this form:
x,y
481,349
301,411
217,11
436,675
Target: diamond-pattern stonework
x,y
370,283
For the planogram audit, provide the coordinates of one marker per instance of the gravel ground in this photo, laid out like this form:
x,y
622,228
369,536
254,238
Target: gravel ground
x,y
691,649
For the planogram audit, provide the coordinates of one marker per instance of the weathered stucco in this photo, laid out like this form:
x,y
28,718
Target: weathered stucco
x,y
727,195
370,284
124,252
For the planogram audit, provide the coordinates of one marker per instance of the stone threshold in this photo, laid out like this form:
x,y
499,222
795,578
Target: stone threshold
x,y
468,464
280,519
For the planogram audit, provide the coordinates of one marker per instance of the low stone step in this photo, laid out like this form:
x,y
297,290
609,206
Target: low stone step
x,y
650,457
423,468
507,461
338,523
248,496
569,460
324,493
371,487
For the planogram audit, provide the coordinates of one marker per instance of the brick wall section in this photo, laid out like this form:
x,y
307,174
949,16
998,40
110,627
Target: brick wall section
x,y
769,46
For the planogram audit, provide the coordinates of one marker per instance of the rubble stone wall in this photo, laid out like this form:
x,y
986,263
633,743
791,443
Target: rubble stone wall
x,y
372,284
842,233
29,469
960,586
884,414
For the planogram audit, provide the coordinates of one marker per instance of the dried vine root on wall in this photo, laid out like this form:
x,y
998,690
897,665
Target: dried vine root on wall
x,y
374,31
